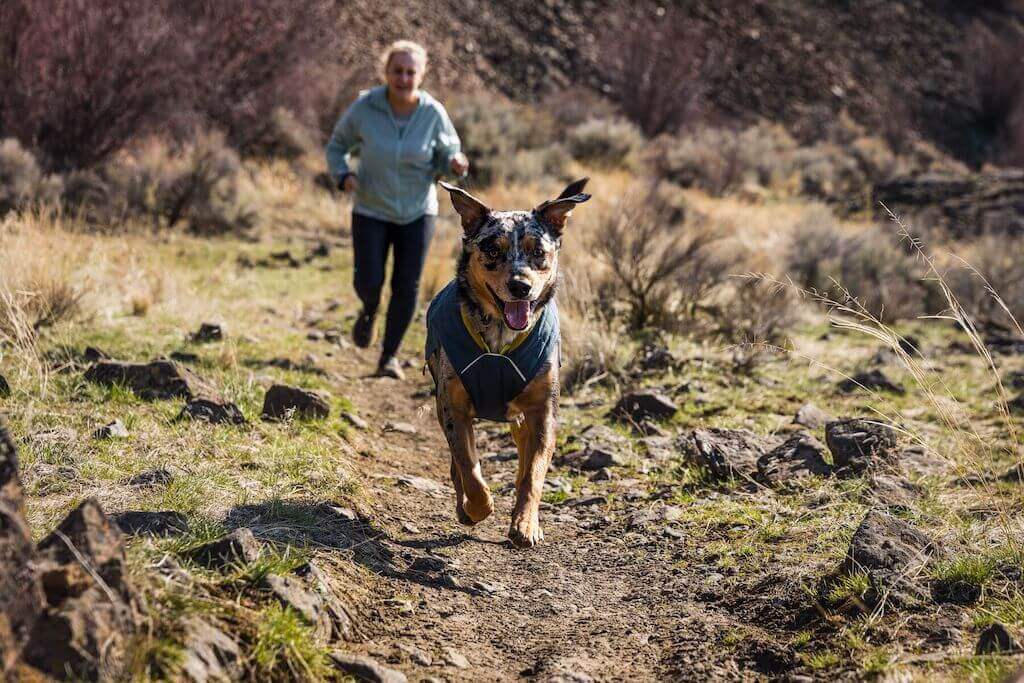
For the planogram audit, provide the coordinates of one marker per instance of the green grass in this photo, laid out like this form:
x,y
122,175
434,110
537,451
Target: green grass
x,y
848,587
284,645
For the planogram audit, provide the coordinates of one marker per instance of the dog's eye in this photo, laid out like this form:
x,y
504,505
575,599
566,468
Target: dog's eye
x,y
538,252
492,251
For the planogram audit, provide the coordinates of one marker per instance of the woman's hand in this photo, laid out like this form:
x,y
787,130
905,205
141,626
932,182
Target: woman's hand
x,y
459,164
351,183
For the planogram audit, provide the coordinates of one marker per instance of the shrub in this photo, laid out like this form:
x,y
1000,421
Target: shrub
x,y
996,64
994,262
663,268
869,267
603,142
210,194
80,79
19,176
654,66
507,142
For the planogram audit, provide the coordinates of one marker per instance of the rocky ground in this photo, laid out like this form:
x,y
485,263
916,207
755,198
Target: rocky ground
x,y
247,502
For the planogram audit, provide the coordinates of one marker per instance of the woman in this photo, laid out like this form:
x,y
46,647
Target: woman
x,y
404,140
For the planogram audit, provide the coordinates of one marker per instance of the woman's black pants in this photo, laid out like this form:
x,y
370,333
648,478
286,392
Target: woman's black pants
x,y
371,239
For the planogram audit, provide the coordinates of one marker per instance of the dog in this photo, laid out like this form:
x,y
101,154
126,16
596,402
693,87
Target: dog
x,y
493,348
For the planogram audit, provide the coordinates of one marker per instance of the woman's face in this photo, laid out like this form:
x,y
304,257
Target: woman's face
x,y
404,75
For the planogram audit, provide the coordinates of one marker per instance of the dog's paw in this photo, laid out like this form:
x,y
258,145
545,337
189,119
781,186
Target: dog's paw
x,y
477,511
525,533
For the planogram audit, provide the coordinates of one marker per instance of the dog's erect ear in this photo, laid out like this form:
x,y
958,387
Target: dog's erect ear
x,y
472,210
555,212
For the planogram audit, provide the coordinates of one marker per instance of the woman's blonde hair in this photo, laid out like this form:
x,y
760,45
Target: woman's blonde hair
x,y
399,46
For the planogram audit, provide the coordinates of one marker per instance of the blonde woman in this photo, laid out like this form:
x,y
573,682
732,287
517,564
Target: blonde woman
x,y
404,140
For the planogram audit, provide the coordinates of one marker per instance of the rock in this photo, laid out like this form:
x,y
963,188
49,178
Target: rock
x,y
5,388
308,593
889,490
655,357
603,474
423,484
799,457
111,430
282,402
856,444
147,523
210,654
400,427
996,639
213,411
455,658
1016,405
596,458
315,335
1014,379
638,406
872,380
366,669
93,354
726,453
151,478
21,594
354,420
238,546
91,610
811,416
208,332
184,357
656,514
891,552
160,379
416,655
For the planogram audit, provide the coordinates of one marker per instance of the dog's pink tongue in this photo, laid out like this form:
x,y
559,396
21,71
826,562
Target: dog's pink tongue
x,y
517,314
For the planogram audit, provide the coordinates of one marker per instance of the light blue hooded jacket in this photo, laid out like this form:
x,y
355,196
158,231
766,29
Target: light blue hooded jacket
x,y
397,167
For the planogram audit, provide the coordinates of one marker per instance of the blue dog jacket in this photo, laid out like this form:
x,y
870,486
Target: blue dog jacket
x,y
492,379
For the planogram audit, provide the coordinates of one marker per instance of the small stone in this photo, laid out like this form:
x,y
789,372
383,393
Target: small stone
x,y
400,427
603,474
872,380
891,552
366,668
282,401
5,388
354,420
212,411
726,453
856,444
423,484
210,654
238,546
889,490
799,457
111,430
416,655
996,639
146,523
638,406
152,478
596,458
811,416
208,332
455,658
315,335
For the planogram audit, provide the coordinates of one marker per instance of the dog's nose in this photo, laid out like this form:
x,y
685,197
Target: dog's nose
x,y
519,289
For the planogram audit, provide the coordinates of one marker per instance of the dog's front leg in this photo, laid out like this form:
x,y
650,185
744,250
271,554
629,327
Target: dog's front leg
x,y
535,441
473,500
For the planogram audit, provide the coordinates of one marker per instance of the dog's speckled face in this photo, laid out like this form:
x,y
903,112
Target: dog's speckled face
x,y
509,259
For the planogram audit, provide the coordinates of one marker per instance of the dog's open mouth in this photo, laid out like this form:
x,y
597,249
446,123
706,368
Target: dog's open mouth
x,y
516,313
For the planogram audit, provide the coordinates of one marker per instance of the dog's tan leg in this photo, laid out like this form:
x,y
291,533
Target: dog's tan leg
x,y
535,440
473,500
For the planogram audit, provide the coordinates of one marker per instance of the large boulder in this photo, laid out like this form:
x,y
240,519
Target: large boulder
x,y
857,444
21,595
726,453
160,379
91,610
799,457
283,401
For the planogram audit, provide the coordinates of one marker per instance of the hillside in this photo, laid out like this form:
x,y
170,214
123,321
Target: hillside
x,y
891,65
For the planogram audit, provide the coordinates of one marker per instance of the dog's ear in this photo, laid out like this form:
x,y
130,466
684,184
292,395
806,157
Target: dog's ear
x,y
554,212
472,210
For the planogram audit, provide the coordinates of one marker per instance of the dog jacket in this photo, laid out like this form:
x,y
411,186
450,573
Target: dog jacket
x,y
492,379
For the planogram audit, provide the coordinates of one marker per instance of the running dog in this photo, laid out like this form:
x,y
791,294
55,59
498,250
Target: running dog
x,y
493,348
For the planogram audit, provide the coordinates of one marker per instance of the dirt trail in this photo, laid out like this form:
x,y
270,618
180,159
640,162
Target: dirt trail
x,y
596,600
